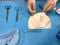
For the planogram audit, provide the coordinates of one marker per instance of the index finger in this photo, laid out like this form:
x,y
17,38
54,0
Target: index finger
x,y
45,7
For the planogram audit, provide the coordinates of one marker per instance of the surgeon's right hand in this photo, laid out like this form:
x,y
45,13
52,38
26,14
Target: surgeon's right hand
x,y
50,4
31,3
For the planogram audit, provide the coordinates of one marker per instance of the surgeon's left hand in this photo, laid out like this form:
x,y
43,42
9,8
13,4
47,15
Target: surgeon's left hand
x,y
50,4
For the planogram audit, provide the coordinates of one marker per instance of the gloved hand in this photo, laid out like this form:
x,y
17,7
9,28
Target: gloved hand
x,y
31,3
50,4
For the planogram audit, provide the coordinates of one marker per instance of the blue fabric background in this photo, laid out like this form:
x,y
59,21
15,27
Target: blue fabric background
x,y
42,37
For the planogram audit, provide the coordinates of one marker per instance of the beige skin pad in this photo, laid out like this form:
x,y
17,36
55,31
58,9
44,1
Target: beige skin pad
x,y
39,21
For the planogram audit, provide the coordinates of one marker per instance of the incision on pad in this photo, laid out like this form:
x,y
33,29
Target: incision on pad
x,y
39,20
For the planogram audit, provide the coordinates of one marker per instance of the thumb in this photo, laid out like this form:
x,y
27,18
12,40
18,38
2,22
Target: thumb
x,y
34,6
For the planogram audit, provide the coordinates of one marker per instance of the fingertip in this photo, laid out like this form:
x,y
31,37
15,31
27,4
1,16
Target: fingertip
x,y
33,12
